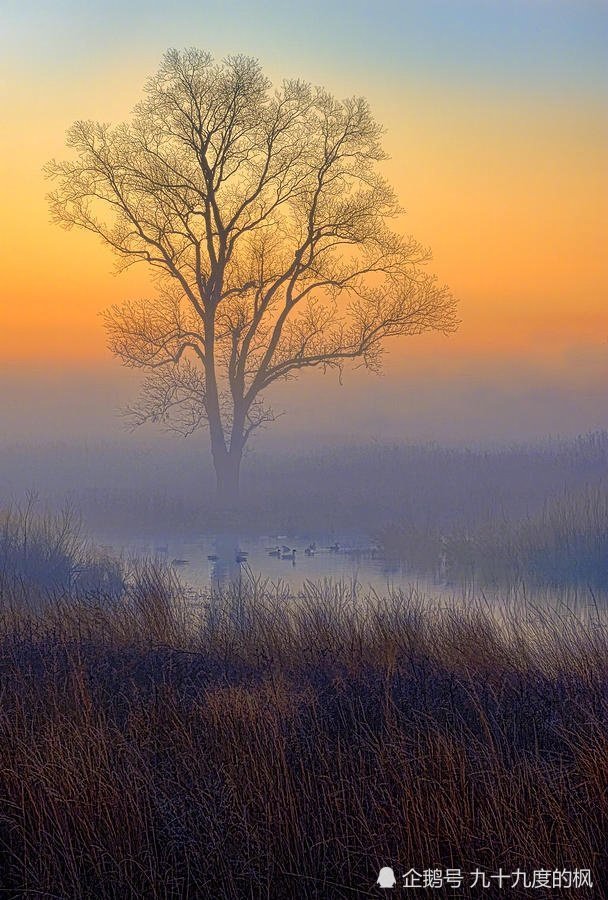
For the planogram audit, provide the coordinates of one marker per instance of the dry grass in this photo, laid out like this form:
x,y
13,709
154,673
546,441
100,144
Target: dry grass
x,y
563,544
262,746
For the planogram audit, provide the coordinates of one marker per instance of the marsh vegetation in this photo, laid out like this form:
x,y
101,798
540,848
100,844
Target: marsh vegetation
x,y
261,741
268,745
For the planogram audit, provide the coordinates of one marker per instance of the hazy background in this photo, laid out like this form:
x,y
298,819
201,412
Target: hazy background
x,y
496,127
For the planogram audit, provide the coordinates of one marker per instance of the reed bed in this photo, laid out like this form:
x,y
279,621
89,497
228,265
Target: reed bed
x,y
254,744
565,543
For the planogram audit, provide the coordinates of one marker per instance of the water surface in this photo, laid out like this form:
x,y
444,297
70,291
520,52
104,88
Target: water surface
x,y
214,560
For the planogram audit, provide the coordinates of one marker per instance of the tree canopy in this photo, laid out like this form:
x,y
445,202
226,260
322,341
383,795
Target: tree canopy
x,y
264,215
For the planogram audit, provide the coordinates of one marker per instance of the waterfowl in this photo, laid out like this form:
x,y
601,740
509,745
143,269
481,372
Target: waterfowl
x,y
213,557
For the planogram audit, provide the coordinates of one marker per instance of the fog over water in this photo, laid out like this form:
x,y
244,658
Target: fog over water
x,y
437,452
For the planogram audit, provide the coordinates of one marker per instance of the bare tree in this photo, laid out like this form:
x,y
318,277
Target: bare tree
x,y
265,220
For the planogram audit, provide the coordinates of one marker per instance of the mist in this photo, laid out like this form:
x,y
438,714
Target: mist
x,y
435,399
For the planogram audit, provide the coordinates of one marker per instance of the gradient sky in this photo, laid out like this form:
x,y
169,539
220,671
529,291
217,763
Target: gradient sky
x,y
497,131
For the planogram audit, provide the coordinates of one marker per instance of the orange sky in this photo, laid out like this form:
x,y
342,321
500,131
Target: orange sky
x,y
511,196
507,185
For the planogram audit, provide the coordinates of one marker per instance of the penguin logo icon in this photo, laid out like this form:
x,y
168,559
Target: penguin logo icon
x,y
386,878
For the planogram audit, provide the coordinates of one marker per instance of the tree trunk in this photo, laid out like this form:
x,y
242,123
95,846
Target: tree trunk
x,y
226,461
227,471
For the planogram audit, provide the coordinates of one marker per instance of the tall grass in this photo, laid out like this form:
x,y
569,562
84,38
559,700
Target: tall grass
x,y
565,543
258,744
46,552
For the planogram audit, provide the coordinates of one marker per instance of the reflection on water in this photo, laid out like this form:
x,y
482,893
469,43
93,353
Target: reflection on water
x,y
213,561
206,561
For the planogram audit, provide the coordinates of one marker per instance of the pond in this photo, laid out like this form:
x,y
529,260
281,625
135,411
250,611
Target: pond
x,y
205,561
